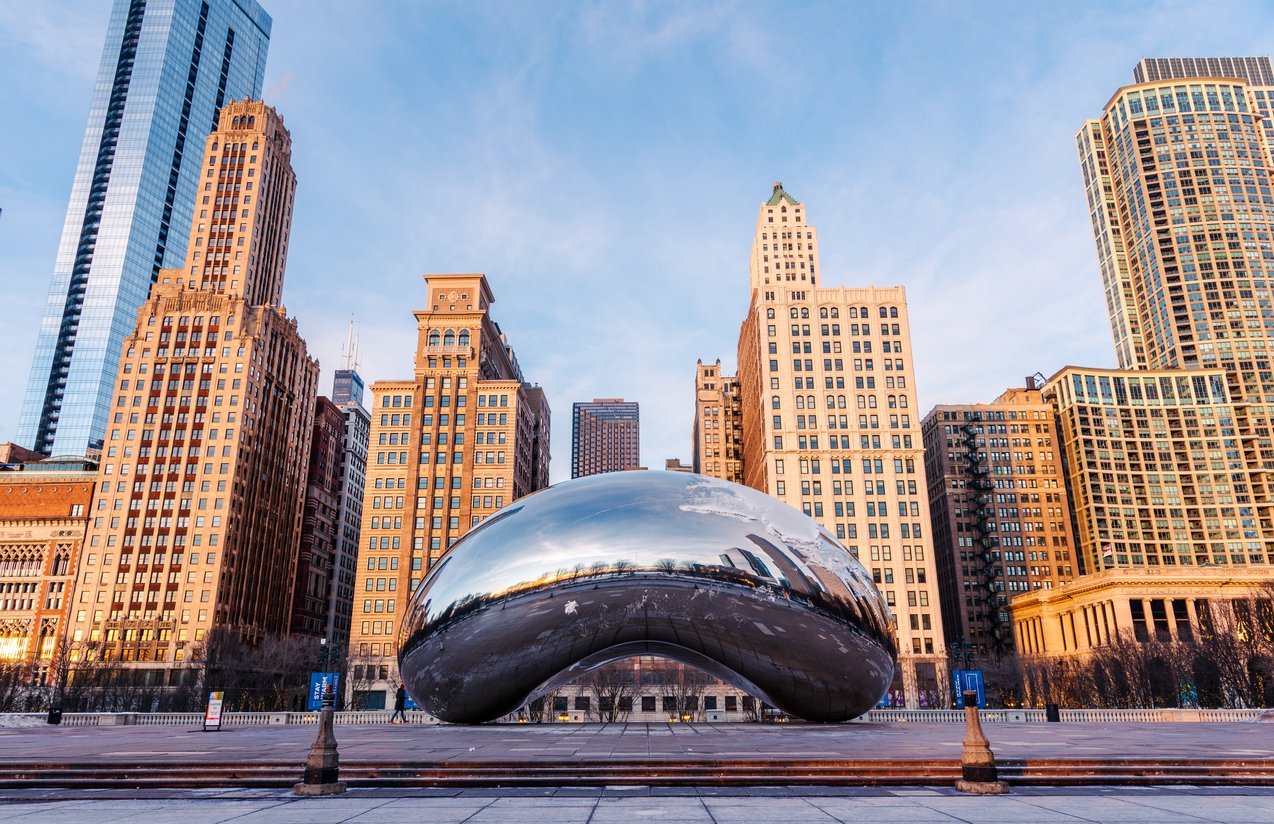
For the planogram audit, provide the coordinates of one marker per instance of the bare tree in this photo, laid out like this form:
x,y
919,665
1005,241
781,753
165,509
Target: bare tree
x,y
611,688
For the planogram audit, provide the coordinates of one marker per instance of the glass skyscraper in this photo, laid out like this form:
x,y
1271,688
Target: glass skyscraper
x,y
167,68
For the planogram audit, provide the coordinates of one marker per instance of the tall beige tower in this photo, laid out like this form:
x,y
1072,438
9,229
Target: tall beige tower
x,y
464,438
202,482
828,399
1177,172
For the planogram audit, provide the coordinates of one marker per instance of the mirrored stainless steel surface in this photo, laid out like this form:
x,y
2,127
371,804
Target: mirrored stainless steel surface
x,y
713,574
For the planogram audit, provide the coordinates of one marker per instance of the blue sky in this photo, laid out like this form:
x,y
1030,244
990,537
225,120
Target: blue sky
x,y
603,162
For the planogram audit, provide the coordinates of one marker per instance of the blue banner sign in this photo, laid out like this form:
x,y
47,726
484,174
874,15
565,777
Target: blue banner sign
x,y
970,680
319,682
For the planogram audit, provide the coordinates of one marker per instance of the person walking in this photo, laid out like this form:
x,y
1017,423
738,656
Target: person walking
x,y
400,705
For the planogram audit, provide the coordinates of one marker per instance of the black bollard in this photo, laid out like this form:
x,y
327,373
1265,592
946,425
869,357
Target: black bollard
x,y
322,767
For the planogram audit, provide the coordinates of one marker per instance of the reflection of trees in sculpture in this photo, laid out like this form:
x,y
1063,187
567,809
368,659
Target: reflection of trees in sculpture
x,y
535,709
685,685
855,612
609,686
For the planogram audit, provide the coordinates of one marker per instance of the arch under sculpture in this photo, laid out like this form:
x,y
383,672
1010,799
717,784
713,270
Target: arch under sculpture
x,y
700,570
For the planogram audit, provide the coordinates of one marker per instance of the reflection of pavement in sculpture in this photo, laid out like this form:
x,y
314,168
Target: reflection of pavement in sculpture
x,y
700,570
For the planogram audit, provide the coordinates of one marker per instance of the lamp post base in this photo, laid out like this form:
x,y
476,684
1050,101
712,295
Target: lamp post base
x,y
319,789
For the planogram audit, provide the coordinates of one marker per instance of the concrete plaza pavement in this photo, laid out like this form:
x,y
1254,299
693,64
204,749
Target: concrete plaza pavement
x,y
666,805
530,742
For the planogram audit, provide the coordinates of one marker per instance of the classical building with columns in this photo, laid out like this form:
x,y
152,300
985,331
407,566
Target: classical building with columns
x,y
1141,605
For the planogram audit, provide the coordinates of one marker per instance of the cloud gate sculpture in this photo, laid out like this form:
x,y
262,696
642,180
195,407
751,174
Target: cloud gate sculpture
x,y
700,570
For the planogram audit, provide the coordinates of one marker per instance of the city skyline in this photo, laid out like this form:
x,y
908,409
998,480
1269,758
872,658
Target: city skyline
x,y
1020,218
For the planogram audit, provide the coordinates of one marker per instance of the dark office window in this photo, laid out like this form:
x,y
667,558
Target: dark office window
x,y
1181,616
1138,609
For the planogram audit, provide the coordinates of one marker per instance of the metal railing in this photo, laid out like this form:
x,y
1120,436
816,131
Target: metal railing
x,y
1074,716
416,717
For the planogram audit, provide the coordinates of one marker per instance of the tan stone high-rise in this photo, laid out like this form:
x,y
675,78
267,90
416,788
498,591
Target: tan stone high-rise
x,y
1177,172
461,440
197,516
1000,511
828,397
718,425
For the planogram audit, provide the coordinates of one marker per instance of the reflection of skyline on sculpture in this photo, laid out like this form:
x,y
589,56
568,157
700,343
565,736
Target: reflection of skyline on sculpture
x,y
700,570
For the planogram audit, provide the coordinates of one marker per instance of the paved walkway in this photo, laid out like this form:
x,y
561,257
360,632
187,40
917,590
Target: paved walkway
x,y
93,745
665,805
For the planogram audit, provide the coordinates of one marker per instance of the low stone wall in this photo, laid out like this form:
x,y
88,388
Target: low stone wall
x,y
881,716
195,719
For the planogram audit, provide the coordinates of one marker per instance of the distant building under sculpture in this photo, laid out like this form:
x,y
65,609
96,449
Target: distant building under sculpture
x,y
450,447
605,436
167,68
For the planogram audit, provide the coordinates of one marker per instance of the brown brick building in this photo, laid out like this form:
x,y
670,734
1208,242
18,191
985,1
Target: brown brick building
x,y
718,425
1000,512
316,566
44,510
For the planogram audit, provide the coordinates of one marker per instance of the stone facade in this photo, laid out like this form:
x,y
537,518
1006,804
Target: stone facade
x,y
44,511
463,439
829,425
202,481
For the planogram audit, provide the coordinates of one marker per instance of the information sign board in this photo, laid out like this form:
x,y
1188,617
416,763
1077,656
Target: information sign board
x,y
970,680
212,718
319,682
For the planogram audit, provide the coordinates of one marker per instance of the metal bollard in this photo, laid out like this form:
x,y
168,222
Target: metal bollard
x,y
322,767
977,762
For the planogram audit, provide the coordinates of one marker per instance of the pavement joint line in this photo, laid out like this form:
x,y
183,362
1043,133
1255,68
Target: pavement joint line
x,y
1140,803
1026,800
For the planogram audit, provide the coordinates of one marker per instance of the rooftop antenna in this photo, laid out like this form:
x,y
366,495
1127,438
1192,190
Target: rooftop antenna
x,y
350,352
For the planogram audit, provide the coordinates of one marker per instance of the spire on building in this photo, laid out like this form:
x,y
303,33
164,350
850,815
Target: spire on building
x,y
349,355
780,196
